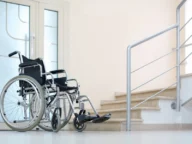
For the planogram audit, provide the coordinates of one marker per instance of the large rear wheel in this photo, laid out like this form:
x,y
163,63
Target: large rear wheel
x,y
15,103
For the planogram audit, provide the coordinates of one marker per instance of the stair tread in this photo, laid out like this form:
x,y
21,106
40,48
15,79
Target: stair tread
x,y
186,75
124,109
140,92
123,120
135,99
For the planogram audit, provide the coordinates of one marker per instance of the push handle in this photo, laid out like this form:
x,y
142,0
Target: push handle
x,y
13,53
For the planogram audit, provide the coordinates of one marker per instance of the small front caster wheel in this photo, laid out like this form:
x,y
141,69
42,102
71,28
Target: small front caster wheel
x,y
79,127
56,120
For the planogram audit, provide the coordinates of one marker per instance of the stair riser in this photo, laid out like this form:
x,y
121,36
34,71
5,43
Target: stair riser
x,y
106,126
168,93
121,126
151,103
157,127
101,127
136,114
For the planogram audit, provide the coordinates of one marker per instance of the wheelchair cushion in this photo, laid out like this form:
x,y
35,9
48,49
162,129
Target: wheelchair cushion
x,y
34,71
60,82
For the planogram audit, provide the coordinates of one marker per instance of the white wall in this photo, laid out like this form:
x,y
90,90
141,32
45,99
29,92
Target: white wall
x,y
100,31
186,91
166,115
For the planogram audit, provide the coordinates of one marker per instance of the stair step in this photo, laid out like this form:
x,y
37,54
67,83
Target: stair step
x,y
136,125
116,104
110,125
121,113
171,92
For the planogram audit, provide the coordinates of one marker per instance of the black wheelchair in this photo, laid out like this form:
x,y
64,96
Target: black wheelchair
x,y
36,98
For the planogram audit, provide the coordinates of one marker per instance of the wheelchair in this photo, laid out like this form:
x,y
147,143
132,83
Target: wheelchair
x,y
36,98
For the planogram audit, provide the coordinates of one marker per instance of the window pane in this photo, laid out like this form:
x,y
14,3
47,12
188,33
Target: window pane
x,y
50,39
50,65
14,33
14,36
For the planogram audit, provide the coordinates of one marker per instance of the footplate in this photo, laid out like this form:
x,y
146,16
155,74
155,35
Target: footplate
x,y
102,118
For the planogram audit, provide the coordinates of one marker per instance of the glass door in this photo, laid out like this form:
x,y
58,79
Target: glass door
x,y
51,29
50,39
16,34
52,34
34,29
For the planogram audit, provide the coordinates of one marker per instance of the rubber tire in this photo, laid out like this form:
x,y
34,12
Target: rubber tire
x,y
79,130
39,88
62,124
59,123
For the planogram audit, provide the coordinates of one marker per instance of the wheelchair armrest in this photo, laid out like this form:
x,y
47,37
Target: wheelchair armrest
x,y
27,64
77,84
57,71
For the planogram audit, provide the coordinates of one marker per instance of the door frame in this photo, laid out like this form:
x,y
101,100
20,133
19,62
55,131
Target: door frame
x,y
32,28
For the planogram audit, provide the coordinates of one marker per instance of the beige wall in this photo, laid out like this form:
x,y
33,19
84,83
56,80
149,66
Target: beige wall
x,y
99,32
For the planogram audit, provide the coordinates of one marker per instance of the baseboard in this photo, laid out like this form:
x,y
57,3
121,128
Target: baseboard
x,y
122,127
4,127
158,127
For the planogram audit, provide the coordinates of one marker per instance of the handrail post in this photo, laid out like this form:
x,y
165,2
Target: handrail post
x,y
178,55
128,120
178,103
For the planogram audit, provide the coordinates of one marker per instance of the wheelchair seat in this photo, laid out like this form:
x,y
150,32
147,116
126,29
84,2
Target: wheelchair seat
x,y
61,83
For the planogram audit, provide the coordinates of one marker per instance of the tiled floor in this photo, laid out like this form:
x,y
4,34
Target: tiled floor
x,y
41,137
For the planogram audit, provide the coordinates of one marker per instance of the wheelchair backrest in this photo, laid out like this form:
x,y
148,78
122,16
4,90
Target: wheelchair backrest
x,y
35,71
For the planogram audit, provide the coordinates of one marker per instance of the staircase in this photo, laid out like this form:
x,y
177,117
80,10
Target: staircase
x,y
117,108
155,113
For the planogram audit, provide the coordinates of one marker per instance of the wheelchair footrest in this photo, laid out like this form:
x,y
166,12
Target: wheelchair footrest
x,y
85,118
102,118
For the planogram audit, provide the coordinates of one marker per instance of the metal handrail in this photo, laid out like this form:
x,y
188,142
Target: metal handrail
x,y
187,101
154,61
187,45
128,126
186,40
154,78
153,36
185,24
173,50
177,27
186,58
154,95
